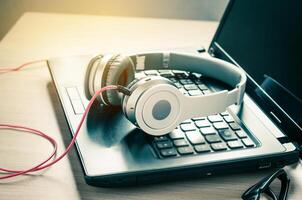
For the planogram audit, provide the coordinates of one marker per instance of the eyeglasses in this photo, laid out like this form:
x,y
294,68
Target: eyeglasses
x,y
263,187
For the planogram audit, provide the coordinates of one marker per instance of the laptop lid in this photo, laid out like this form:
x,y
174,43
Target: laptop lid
x,y
264,38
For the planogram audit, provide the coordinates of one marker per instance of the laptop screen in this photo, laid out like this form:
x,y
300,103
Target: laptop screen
x,y
265,39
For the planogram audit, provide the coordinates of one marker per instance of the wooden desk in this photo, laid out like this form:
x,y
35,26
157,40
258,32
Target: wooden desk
x,y
28,97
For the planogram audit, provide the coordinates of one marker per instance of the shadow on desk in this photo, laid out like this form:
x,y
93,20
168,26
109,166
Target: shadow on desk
x,y
214,187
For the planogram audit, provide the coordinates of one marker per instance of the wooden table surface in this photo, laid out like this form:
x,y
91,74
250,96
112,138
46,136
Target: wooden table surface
x,y
28,97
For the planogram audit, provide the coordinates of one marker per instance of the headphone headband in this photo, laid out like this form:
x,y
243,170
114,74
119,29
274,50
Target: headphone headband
x,y
158,107
208,66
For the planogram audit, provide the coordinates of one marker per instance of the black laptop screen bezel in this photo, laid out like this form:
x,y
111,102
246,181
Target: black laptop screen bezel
x,y
268,105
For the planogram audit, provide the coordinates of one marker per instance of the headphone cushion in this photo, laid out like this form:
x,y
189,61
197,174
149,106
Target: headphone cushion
x,y
91,68
120,71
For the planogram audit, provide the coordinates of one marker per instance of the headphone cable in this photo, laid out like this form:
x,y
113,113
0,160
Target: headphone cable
x,y
47,163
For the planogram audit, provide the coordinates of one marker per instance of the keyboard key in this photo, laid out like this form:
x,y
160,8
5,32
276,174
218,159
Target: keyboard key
x,y
195,137
202,148
206,92
188,127
166,73
202,87
196,76
164,144
185,81
182,90
168,152
151,72
207,130
180,73
199,81
234,126
173,80
228,119
213,138
160,138
180,143
195,93
202,123
248,142
220,125
219,146
225,113
198,118
185,150
188,121
190,87
235,144
215,118
227,134
177,134
178,85
241,134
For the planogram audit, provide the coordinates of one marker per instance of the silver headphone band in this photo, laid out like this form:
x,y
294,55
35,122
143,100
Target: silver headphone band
x,y
208,66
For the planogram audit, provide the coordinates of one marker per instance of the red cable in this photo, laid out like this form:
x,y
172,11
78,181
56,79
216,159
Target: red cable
x,y
30,130
46,162
10,69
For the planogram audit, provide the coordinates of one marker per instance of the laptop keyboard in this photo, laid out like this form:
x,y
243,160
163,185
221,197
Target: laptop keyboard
x,y
215,133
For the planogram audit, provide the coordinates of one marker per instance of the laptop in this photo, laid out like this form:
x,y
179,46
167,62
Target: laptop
x,y
265,132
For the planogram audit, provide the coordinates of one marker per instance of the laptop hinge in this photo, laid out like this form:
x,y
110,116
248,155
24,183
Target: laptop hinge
x,y
285,139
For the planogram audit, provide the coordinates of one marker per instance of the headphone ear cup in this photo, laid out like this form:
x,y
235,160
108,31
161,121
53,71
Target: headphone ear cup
x,y
153,105
89,76
119,70
131,87
132,83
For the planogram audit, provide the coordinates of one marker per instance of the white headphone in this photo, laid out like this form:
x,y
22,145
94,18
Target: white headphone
x,y
153,103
